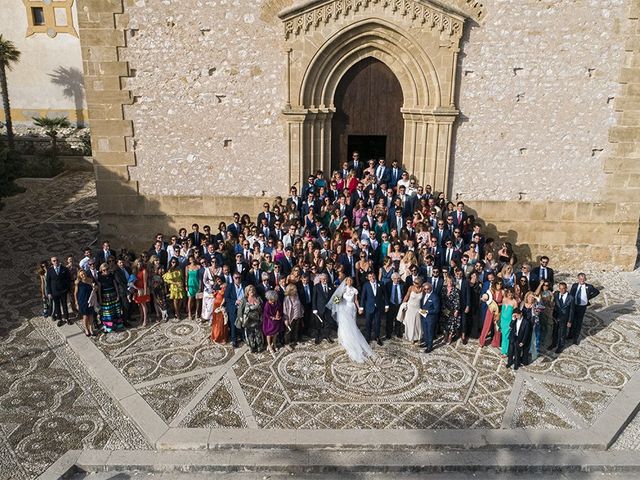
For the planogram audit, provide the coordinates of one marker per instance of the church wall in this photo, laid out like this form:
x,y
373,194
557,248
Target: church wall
x,y
208,91
537,91
139,194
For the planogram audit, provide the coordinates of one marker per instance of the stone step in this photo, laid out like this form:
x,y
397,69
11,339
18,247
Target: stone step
x,y
313,461
137,475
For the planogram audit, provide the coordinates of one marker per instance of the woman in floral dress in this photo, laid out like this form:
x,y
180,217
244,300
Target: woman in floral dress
x,y
450,308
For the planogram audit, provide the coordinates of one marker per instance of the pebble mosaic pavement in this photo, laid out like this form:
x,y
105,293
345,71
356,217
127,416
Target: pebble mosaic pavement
x,y
49,403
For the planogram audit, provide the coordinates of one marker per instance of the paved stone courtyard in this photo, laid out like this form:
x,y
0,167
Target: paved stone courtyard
x,y
167,383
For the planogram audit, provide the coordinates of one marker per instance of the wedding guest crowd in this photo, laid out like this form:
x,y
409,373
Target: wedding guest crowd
x,y
424,268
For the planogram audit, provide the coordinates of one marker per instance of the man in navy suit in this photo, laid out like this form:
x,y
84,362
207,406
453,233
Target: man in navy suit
x,y
441,233
542,273
429,313
447,254
233,296
356,164
519,337
563,311
459,216
395,295
382,172
103,255
234,227
348,261
582,292
58,282
395,174
373,304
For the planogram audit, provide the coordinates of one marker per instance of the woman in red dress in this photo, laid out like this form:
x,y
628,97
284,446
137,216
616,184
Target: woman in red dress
x,y
218,328
141,296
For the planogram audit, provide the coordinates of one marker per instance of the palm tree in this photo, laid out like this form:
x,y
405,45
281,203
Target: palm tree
x,y
9,54
52,127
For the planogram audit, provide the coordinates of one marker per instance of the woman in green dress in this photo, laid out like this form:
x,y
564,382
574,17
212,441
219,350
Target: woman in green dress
x,y
508,304
193,285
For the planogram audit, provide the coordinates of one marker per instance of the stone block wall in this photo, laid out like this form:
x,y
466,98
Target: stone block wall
x,y
155,171
538,92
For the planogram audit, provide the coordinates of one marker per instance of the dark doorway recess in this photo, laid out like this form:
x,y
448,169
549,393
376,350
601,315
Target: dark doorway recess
x,y
369,146
368,118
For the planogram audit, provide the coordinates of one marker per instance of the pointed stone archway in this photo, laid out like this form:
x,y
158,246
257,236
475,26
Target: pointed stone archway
x,y
417,40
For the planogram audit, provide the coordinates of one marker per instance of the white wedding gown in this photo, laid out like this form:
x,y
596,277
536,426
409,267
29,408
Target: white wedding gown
x,y
349,334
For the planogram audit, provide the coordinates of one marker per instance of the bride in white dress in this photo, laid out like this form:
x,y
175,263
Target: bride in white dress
x,y
344,306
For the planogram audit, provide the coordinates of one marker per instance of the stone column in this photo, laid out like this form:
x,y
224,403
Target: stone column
x,y
427,145
295,120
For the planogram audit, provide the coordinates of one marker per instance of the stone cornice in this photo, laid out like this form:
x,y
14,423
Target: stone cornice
x,y
312,14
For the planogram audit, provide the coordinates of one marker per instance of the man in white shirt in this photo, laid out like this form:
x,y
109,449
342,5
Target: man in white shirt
x,y
582,292
519,336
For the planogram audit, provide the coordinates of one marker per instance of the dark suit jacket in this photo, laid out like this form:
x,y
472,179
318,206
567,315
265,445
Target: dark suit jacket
x,y
465,294
262,289
121,280
437,287
431,304
563,310
251,277
320,300
523,336
285,266
344,261
162,256
196,239
234,229
592,292
303,296
369,302
456,223
230,298
359,169
262,215
102,258
58,283
393,178
442,236
388,290
535,277
455,255
386,175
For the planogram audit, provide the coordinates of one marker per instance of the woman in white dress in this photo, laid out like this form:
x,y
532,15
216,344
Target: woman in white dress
x,y
344,306
412,321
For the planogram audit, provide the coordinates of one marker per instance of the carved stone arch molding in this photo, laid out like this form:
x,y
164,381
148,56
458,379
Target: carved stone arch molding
x,y
418,40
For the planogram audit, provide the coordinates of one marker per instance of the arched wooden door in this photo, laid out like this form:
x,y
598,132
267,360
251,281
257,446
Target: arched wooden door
x,y
367,118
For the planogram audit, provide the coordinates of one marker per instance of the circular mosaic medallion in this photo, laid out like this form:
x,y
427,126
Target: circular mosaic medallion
x,y
446,372
212,355
178,360
181,331
607,376
302,368
383,377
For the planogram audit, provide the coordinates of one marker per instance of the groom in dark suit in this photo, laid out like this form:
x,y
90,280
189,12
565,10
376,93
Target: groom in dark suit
x,y
322,292
429,312
58,286
373,303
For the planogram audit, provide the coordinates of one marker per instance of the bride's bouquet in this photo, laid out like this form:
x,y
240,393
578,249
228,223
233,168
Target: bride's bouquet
x,y
337,299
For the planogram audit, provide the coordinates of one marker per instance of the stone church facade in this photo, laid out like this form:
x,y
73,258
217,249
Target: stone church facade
x,y
527,110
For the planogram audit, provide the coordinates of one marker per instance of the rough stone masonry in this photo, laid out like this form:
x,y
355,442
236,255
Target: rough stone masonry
x,y
186,104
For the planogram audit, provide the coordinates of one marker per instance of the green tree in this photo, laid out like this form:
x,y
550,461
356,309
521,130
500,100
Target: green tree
x,y
9,55
52,127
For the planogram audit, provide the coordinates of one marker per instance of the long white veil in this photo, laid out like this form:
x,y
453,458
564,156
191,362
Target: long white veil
x,y
334,306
